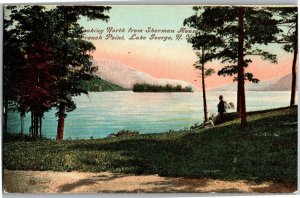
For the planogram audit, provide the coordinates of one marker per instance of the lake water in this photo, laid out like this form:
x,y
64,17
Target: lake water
x,y
102,113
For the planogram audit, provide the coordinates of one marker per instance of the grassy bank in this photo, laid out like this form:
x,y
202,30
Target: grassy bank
x,y
265,151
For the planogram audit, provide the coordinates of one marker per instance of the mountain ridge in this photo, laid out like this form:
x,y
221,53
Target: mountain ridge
x,y
126,76
279,84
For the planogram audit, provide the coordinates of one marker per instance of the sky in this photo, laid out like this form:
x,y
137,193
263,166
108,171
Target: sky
x,y
172,59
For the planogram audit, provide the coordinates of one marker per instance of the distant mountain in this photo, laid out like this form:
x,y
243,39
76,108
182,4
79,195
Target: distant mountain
x,y
280,84
283,84
126,76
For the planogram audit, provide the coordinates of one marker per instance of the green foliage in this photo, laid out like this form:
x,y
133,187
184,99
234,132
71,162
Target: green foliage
x,y
58,29
221,24
207,71
53,57
204,41
287,18
288,22
159,88
98,85
123,132
264,151
72,54
12,62
26,28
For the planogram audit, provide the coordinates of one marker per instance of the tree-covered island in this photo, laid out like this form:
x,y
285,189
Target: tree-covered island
x,y
143,87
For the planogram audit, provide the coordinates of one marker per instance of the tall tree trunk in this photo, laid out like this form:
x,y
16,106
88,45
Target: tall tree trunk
x,y
5,109
35,125
203,87
31,126
61,121
62,105
294,72
40,125
238,100
241,80
22,123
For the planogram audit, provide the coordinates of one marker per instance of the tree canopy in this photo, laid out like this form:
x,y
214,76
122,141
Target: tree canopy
x,y
237,33
53,59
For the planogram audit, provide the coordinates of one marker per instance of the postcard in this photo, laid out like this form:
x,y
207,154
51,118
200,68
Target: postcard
x,y
150,98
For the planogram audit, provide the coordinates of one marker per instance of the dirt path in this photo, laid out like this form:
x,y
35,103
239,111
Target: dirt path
x,y
78,182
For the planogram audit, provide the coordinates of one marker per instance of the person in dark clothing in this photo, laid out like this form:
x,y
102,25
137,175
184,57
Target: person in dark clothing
x,y
221,107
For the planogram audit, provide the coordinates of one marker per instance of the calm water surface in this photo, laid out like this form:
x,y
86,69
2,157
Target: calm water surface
x,y
102,113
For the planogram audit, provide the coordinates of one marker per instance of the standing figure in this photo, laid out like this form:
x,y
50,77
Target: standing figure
x,y
221,107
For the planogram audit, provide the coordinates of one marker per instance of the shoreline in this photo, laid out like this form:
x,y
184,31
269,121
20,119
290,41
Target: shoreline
x,y
230,116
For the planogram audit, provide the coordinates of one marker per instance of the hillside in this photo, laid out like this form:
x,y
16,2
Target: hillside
x,y
98,85
279,84
264,151
283,84
126,76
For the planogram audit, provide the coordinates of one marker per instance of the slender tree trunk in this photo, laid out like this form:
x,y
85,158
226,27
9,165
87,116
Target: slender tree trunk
x,y
203,88
35,125
62,106
31,126
5,109
294,72
40,126
294,79
61,121
241,80
22,123
238,100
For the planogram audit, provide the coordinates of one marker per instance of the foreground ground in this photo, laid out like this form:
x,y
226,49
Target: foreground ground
x,y
78,182
263,153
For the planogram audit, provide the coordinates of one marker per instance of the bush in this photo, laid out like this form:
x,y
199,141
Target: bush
x,y
123,133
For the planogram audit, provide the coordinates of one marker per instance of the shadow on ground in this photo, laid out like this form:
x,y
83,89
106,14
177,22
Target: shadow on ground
x,y
88,182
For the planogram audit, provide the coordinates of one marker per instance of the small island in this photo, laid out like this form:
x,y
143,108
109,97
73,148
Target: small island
x,y
159,88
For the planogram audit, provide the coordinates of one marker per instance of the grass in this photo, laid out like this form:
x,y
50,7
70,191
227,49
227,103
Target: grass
x,y
264,151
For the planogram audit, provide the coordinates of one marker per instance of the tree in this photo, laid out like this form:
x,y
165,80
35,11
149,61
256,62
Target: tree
x,y
56,58
205,72
243,30
206,43
288,23
241,82
12,61
33,83
36,90
71,58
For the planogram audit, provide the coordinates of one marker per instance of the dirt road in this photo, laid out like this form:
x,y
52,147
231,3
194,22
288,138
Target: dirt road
x,y
78,182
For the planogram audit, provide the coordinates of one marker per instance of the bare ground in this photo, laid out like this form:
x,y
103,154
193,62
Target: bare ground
x,y
83,182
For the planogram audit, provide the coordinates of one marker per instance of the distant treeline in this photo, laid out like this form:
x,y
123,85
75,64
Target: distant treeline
x,y
97,85
159,88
